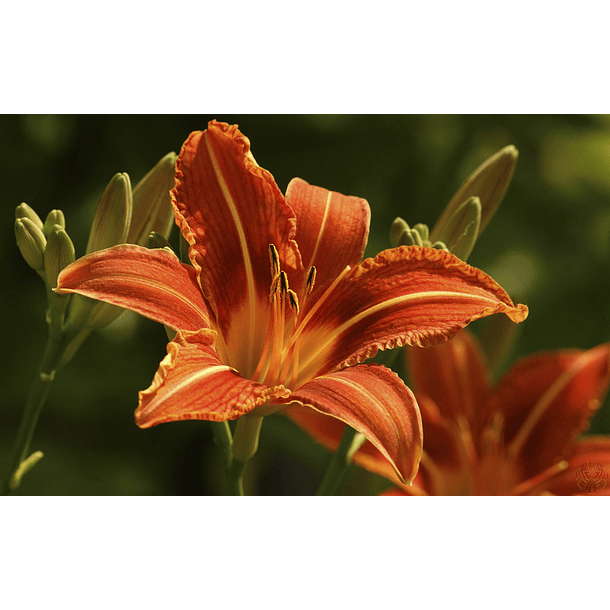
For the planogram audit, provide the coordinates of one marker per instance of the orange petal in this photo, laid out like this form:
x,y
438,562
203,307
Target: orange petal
x,y
453,375
230,210
587,472
373,400
192,383
153,283
328,431
332,229
547,400
404,296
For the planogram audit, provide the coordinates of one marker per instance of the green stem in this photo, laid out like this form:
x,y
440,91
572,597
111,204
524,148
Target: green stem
x,y
235,478
350,442
245,444
36,399
224,442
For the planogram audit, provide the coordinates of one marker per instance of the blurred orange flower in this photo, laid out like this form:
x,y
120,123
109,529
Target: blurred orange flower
x,y
516,438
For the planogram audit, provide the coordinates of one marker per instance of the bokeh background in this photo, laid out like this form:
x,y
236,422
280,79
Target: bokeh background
x,y
548,246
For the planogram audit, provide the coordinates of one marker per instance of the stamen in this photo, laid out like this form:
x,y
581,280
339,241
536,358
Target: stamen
x,y
311,280
264,360
303,322
279,312
293,301
295,365
274,259
283,284
274,285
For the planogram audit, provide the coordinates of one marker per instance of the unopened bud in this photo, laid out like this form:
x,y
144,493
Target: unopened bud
x,y
31,242
401,234
399,226
488,182
152,209
54,217
462,228
113,215
156,240
23,210
423,230
59,254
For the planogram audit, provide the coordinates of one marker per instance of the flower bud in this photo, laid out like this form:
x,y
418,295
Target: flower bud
x,y
462,228
401,234
488,182
113,215
152,209
54,217
23,210
31,242
156,240
423,231
399,226
59,254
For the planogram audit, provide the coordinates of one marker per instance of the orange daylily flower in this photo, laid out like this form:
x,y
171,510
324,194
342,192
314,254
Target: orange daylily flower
x,y
278,307
518,437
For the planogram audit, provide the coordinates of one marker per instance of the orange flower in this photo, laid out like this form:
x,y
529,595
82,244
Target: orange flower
x,y
277,306
518,437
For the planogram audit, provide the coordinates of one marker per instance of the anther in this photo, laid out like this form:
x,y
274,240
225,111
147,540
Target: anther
x,y
311,279
283,284
293,301
275,260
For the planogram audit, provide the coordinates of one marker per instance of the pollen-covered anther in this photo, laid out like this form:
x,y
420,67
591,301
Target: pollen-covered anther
x,y
284,287
293,301
311,280
274,258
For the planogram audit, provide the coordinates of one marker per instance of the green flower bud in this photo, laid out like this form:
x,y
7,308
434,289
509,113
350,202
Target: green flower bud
x,y
423,231
488,182
31,242
54,217
123,216
156,240
399,226
463,228
401,234
411,238
23,210
152,209
59,254
113,215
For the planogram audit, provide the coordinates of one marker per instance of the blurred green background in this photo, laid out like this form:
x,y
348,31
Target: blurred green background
x,y
548,246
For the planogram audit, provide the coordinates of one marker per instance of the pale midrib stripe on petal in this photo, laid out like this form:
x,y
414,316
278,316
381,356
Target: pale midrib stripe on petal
x,y
244,249
191,379
545,401
321,231
334,333
358,388
370,398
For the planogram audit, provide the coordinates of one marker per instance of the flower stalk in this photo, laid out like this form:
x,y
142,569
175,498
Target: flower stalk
x,y
47,248
244,446
37,396
351,441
